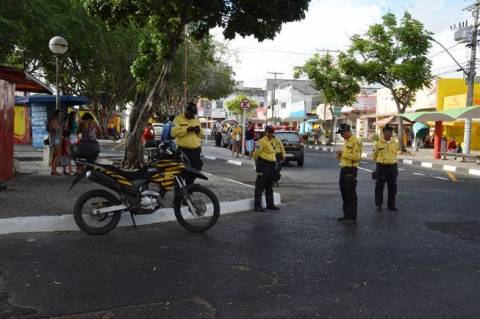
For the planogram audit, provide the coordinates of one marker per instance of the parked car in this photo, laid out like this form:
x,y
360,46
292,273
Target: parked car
x,y
293,146
157,130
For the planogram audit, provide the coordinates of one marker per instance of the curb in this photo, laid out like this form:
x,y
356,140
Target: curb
x,y
443,167
34,224
228,161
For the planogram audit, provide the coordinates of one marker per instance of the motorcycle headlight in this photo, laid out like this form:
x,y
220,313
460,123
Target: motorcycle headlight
x,y
88,174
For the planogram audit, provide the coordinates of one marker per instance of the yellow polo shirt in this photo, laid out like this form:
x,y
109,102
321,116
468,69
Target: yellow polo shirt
x,y
264,150
278,146
351,153
386,152
182,137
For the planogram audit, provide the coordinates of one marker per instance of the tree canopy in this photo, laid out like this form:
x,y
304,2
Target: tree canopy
x,y
394,54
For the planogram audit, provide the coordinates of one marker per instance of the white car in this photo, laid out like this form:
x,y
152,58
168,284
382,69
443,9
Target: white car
x,y
157,130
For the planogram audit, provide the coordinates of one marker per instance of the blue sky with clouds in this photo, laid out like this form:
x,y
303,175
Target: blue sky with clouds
x,y
328,25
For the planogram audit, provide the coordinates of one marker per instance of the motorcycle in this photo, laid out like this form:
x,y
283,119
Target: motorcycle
x,y
141,192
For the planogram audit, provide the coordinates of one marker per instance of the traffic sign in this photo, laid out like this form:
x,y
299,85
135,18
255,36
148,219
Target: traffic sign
x,y
245,104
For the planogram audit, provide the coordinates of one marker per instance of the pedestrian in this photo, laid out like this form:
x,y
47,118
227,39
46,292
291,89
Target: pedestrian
x,y
280,156
66,159
218,129
237,140
265,160
149,135
349,158
54,128
167,129
187,132
249,139
88,146
385,156
72,126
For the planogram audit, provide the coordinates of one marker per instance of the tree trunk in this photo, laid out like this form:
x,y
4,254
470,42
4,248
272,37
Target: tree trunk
x,y
332,126
133,157
400,110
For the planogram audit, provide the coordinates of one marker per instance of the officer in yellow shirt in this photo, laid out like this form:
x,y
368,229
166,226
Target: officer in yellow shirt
x,y
265,160
349,158
280,157
385,155
187,132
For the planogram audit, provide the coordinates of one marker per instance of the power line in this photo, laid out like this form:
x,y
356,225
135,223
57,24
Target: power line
x,y
286,52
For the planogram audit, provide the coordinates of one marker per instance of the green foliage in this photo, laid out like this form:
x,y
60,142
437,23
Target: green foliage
x,y
234,105
337,88
393,54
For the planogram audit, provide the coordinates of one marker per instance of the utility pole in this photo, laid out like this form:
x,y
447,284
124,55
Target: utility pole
x,y
185,70
471,75
273,92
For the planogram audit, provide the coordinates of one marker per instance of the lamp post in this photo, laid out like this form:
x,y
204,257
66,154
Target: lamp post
x,y
58,46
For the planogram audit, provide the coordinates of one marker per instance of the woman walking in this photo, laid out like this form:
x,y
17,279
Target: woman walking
x,y
54,128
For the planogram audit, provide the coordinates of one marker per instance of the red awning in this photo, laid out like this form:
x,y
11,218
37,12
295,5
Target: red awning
x,y
385,121
23,81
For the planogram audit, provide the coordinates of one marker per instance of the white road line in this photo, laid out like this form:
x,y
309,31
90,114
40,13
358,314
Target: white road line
x,y
407,161
427,164
364,155
419,174
210,157
449,168
475,172
238,163
317,148
365,169
234,181
401,169
440,178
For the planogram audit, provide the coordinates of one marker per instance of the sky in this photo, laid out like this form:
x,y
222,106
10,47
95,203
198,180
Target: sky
x,y
328,26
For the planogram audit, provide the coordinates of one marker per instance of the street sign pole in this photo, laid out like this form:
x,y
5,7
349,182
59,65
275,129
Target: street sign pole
x,y
245,105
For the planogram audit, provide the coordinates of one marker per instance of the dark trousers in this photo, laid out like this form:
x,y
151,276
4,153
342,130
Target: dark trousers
x,y
218,139
193,156
265,173
348,189
386,173
278,169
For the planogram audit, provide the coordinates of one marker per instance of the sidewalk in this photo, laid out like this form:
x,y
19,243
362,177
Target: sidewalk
x,y
422,157
220,153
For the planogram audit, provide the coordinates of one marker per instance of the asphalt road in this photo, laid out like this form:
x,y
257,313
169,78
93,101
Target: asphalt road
x,y
422,262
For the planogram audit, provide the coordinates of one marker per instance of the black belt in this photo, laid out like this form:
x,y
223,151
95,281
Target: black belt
x,y
190,149
267,161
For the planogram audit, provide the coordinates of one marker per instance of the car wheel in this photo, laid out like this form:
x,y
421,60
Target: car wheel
x,y
300,162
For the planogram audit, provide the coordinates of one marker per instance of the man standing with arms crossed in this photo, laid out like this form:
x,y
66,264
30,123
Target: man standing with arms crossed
x,y
187,132
385,156
349,158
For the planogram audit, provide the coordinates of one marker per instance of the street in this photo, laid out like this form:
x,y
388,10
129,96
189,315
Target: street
x,y
421,262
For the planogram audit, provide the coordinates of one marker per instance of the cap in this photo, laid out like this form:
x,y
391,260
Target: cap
x,y
269,128
343,128
191,107
388,128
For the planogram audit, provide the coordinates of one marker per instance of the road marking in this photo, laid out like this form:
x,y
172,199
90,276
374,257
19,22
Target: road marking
x,y
317,148
210,157
427,164
449,168
407,161
238,163
364,155
452,177
475,172
365,169
401,169
234,181
441,178
419,174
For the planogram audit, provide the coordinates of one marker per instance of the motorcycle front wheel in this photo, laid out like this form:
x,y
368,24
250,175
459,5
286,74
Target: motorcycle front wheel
x,y
96,224
205,205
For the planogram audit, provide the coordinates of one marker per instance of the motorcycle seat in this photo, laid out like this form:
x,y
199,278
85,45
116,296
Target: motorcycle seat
x,y
130,175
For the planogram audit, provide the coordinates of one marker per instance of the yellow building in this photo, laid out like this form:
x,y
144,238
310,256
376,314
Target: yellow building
x,y
453,94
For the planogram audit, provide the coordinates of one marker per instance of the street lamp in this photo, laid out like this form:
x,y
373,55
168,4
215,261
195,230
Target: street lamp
x,y
58,46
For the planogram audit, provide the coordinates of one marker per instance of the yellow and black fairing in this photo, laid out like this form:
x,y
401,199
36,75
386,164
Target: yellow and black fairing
x,y
168,169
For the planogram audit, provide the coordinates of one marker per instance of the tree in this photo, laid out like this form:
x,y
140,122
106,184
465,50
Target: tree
x,y
394,55
337,88
168,19
234,105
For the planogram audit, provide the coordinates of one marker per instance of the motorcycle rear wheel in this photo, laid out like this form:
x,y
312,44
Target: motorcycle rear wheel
x,y
102,223
205,204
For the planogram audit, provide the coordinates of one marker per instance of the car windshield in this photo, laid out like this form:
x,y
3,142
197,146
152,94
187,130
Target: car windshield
x,y
288,137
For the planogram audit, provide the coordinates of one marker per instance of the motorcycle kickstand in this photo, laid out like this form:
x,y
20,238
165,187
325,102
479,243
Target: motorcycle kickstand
x,y
133,221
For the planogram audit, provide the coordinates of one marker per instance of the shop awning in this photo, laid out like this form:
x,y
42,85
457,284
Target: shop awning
x,y
470,112
293,119
23,81
427,116
385,121
50,99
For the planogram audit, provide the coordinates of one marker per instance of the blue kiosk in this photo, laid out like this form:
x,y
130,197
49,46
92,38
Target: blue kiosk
x,y
41,109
